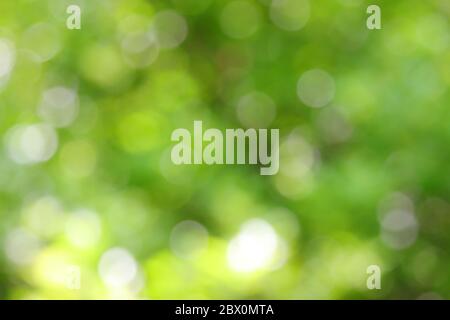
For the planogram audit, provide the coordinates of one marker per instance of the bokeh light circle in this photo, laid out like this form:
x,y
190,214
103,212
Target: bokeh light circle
x,y
117,267
192,7
399,229
290,15
21,246
141,49
83,228
43,39
253,248
28,144
316,88
171,29
59,106
256,110
44,216
188,238
7,58
240,19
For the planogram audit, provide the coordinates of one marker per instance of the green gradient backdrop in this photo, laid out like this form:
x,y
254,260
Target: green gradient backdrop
x,y
363,180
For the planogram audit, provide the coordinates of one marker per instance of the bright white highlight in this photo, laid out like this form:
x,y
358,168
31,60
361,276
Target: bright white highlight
x,y
29,144
117,267
83,228
254,248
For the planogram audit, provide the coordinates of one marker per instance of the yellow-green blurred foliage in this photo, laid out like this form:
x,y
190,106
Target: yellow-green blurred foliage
x,y
86,179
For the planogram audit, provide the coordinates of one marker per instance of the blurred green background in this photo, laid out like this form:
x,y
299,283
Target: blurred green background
x,y
92,207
